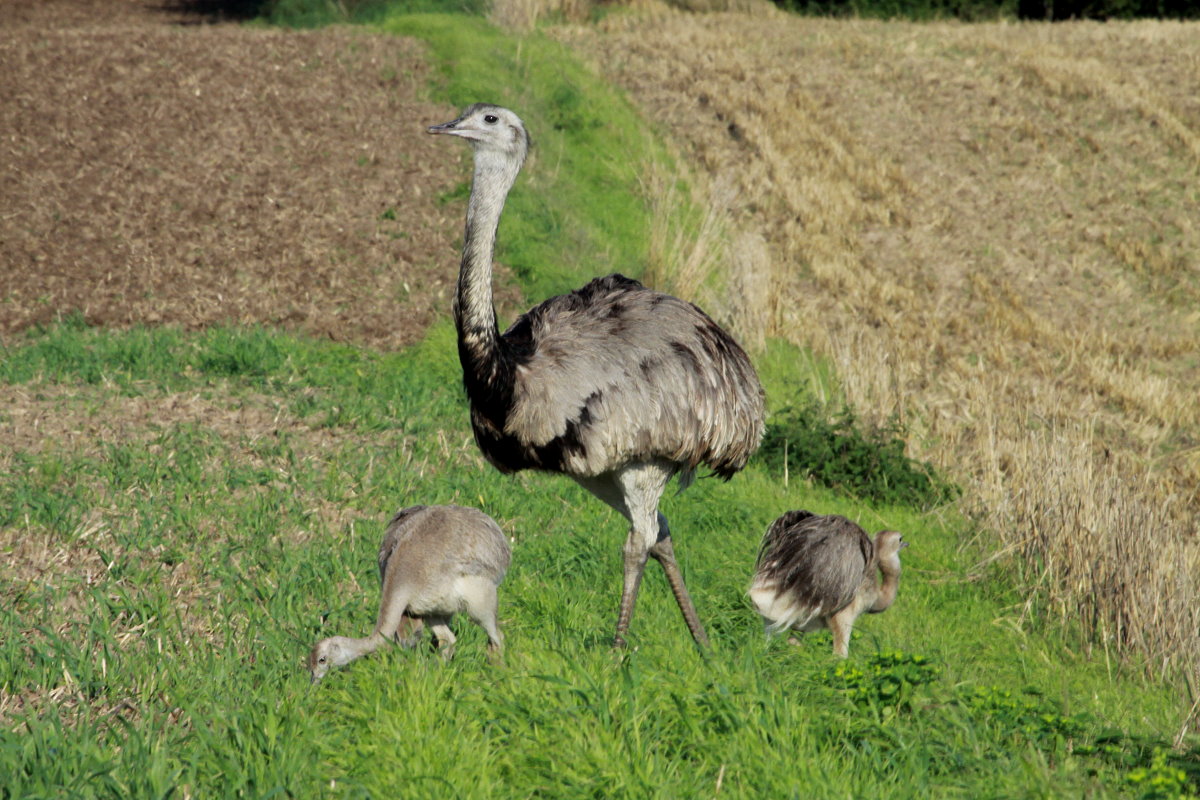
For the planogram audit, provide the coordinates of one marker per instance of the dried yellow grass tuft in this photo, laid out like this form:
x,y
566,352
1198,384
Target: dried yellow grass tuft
x,y
523,15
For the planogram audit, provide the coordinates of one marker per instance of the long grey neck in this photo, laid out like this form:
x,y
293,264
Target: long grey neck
x,y
888,587
474,308
361,647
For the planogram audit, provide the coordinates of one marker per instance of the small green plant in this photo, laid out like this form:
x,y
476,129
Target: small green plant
x,y
840,453
887,679
1031,718
1160,780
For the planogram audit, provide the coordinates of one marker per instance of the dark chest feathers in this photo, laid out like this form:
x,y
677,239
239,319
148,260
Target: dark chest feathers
x,y
611,313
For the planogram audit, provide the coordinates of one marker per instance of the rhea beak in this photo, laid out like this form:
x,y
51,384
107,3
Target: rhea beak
x,y
445,127
454,128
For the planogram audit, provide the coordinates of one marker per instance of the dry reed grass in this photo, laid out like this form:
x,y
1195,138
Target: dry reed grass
x,y
522,15
991,231
694,252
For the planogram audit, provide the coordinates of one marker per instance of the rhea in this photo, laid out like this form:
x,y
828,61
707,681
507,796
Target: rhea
x,y
615,385
822,571
434,562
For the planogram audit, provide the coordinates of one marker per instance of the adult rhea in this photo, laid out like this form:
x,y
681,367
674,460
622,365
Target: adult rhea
x,y
616,385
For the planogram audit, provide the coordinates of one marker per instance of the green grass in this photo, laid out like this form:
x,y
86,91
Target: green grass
x,y
141,683
577,210
187,561
316,13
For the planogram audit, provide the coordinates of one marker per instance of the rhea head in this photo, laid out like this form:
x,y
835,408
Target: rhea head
x,y
888,546
491,130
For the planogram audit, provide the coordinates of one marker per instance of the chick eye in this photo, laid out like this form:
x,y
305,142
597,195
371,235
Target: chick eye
x,y
321,660
491,119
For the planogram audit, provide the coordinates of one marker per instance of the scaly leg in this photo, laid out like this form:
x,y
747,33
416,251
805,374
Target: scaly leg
x,y
482,606
635,492
664,551
408,633
842,623
442,635
636,552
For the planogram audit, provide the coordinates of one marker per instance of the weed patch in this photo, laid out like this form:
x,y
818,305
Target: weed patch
x,y
843,454
887,679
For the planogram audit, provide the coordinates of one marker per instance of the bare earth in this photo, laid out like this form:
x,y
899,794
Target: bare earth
x,y
161,167
158,168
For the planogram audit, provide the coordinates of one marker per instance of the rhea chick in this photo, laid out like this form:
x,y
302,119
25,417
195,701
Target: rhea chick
x,y
434,562
822,571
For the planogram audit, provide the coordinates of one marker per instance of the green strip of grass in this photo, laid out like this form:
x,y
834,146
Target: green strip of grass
x,y
578,210
217,558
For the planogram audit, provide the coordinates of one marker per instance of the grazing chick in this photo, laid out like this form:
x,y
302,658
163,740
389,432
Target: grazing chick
x,y
434,562
816,571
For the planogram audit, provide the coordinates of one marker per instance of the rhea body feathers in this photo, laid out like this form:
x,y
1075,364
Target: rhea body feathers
x,y
822,571
610,373
434,562
616,385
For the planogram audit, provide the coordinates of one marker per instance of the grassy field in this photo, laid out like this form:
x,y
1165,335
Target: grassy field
x,y
218,510
183,513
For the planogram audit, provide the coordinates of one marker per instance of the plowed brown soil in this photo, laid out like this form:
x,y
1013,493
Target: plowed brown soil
x,y
156,168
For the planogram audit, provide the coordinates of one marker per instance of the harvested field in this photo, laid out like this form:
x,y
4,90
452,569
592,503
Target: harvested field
x,y
991,231
162,172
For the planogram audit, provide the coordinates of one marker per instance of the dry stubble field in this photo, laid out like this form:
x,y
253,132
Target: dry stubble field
x,y
993,231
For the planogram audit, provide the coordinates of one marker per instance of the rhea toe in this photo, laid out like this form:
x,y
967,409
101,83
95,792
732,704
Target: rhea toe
x,y
822,571
434,562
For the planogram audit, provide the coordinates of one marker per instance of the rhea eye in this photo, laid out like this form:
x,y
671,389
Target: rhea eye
x,y
321,660
491,119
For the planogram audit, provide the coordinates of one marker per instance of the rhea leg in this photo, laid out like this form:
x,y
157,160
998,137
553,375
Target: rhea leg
x,y
443,637
482,607
842,623
664,551
637,550
408,633
607,488
635,492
